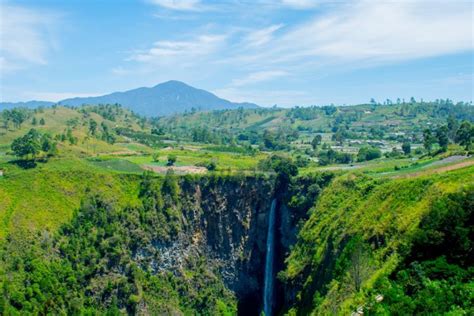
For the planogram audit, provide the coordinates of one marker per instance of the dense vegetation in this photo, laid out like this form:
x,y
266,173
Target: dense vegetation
x,y
408,240
93,265
390,232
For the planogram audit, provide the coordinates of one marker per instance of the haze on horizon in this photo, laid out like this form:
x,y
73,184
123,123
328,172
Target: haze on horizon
x,y
288,52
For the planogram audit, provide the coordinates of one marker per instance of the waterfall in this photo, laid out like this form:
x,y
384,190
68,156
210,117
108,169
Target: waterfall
x,y
268,284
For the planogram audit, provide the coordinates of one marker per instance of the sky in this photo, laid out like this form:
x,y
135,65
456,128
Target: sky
x,y
284,52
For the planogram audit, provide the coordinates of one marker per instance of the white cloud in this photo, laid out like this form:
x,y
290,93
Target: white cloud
x,y
25,37
257,77
300,4
261,97
179,5
56,96
380,31
338,36
163,51
262,36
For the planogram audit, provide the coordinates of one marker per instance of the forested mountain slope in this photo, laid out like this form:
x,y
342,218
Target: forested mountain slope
x,y
407,241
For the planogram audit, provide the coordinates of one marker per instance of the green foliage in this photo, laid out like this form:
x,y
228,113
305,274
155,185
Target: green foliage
x,y
171,186
368,153
436,274
305,189
106,134
115,164
408,239
330,156
151,140
406,148
17,116
284,167
465,134
209,165
232,149
428,139
171,160
32,144
442,137
92,267
92,127
316,141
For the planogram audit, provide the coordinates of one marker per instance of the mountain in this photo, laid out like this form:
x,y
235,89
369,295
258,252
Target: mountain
x,y
163,99
28,104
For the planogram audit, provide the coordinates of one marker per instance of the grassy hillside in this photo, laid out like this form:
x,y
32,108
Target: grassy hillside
x,y
113,255
45,197
362,231
74,218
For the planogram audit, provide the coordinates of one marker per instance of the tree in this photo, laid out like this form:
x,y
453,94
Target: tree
x,y
211,165
453,126
316,141
359,268
170,185
368,153
442,137
48,146
285,169
18,116
42,122
465,134
171,160
70,137
34,121
106,135
92,127
406,147
339,136
428,139
156,157
6,118
27,145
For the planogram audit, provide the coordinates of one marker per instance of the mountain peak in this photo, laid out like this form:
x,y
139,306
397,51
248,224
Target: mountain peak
x,y
172,83
166,98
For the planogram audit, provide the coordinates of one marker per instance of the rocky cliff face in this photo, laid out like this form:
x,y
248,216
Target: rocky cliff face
x,y
223,220
229,221
186,245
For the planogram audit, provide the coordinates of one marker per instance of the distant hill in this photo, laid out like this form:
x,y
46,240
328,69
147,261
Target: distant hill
x,y
29,104
163,99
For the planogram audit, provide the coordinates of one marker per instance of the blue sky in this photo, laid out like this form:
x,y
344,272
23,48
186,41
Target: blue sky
x,y
288,52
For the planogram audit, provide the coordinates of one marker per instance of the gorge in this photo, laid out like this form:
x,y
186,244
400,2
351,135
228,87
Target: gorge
x,y
240,244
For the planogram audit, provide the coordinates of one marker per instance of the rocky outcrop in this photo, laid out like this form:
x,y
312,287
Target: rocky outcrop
x,y
228,218
223,221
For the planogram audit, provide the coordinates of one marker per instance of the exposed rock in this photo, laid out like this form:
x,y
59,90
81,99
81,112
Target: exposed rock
x,y
225,221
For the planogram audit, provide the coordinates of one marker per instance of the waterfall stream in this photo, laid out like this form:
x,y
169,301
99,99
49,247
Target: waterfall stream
x,y
269,278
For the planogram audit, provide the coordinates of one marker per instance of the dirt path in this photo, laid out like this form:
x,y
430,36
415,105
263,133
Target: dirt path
x,y
446,160
455,166
177,170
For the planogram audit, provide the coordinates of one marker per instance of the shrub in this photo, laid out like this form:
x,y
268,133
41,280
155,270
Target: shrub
x,y
368,153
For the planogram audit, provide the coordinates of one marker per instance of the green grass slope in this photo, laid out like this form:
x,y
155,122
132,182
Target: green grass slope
x,y
45,197
363,232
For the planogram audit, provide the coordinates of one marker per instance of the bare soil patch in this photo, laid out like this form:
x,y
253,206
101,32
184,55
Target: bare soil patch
x,y
459,165
176,169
